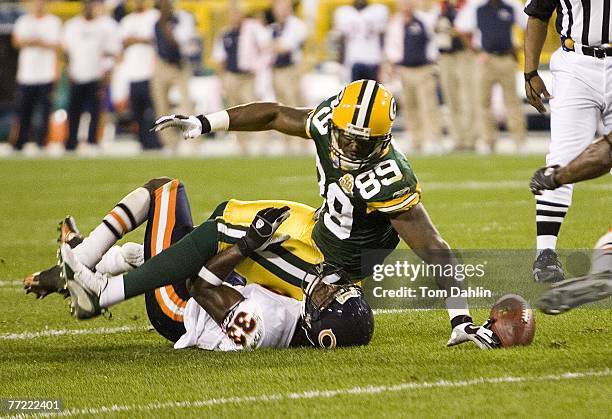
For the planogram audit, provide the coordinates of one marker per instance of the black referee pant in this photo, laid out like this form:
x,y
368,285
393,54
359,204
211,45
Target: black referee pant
x,y
29,97
84,97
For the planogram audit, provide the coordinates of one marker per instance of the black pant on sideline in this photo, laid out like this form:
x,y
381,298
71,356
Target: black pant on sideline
x,y
361,71
144,113
29,97
84,97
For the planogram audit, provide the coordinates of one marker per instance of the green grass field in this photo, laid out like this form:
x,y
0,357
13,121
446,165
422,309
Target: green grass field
x,y
119,367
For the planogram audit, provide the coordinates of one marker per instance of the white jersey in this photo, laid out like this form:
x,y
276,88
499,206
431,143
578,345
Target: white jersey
x,y
37,65
362,30
139,58
277,317
274,317
88,44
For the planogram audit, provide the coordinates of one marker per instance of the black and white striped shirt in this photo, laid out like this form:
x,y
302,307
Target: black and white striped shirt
x,y
587,22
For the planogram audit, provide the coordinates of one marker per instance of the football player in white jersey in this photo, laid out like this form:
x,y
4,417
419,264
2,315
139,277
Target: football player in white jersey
x,y
226,318
232,318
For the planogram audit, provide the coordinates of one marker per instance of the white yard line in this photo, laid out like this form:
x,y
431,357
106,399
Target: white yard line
x,y
127,329
69,332
328,394
11,283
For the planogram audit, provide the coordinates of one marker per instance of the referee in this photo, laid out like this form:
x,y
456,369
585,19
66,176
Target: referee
x,y
582,97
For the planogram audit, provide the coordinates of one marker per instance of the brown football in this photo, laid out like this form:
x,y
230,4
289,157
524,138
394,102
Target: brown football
x,y
513,321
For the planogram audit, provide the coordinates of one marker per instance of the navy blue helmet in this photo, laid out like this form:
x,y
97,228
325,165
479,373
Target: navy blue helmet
x,y
334,310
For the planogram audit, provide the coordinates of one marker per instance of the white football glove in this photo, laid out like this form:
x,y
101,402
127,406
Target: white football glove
x,y
482,336
191,126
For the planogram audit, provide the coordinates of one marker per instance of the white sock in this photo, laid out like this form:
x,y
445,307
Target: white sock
x,y
457,306
127,215
113,262
546,242
113,293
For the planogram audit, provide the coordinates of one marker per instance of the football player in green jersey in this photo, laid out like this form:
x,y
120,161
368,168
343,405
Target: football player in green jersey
x,y
372,197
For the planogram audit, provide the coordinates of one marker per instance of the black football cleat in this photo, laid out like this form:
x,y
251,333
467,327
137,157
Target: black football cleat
x,y
575,292
46,282
69,232
51,280
547,267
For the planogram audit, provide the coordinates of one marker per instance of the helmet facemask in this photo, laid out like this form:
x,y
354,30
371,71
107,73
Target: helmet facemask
x,y
319,292
365,149
323,300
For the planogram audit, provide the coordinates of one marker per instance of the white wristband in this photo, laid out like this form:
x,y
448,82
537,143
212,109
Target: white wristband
x,y
209,277
219,121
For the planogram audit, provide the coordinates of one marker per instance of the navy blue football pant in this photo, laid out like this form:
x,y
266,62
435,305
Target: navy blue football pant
x,y
31,96
168,221
144,114
84,97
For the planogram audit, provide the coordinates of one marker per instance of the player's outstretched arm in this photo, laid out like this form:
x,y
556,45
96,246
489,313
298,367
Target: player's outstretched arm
x,y
256,116
593,162
416,229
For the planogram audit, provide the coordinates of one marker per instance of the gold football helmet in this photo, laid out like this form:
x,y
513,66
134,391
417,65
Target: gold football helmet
x,y
360,125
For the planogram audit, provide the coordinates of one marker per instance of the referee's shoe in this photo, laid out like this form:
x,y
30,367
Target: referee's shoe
x,y
547,267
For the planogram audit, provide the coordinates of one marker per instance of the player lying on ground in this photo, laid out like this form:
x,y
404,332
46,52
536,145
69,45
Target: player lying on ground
x,y
371,196
163,204
593,162
229,318
218,317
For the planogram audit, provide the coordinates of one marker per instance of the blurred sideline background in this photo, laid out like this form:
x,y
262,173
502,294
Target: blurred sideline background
x,y
322,74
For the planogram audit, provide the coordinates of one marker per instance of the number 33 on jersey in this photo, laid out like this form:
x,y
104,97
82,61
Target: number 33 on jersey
x,y
354,215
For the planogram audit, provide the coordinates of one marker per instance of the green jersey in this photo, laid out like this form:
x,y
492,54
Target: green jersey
x,y
354,215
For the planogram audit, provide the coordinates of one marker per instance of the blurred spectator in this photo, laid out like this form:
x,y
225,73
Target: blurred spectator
x,y
409,45
288,36
137,31
9,13
37,36
174,31
91,43
456,65
238,54
362,28
117,8
490,25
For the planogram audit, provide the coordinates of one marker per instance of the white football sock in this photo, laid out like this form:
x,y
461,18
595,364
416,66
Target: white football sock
x,y
546,242
127,215
113,293
457,306
113,262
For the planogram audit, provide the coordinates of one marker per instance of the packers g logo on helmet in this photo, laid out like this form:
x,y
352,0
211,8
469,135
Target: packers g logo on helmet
x,y
362,112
